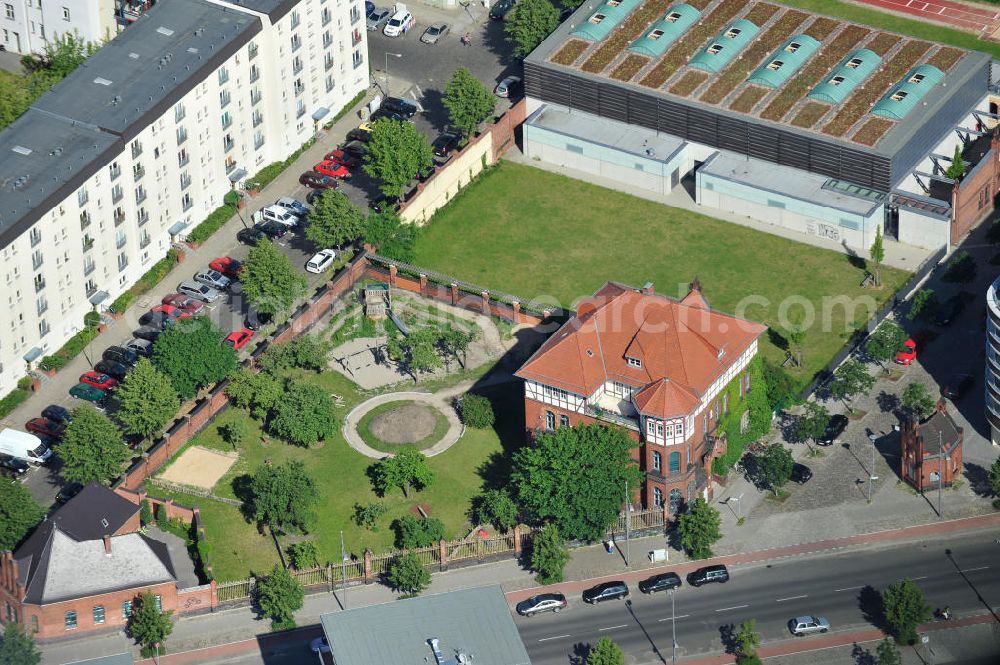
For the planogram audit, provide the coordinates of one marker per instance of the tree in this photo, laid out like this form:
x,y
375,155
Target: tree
x,y
812,424
192,355
917,400
234,432
304,415
390,235
905,608
529,23
18,647
303,555
147,400
333,220
497,508
776,466
549,555
923,305
795,331
407,468
279,596
270,282
468,101
282,497
256,391
412,532
576,477
956,170
407,574
699,529
305,351
397,152
747,638
19,513
456,340
850,380
887,654
994,478
605,652
149,625
877,252
92,448
883,344
417,352
477,411
368,514
961,269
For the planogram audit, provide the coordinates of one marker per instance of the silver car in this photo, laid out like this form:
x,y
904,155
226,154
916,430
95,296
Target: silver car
x,y
807,625
198,291
434,33
378,18
293,206
212,278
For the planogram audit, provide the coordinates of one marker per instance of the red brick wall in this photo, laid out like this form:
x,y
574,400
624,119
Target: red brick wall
x,y
972,199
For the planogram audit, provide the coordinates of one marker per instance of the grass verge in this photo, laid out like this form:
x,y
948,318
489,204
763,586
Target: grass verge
x,y
364,427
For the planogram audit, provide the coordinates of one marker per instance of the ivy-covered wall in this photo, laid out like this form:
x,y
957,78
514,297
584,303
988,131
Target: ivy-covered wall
x,y
759,421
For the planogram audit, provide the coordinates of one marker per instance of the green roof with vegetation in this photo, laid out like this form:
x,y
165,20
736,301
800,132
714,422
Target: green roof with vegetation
x,y
902,99
726,46
785,62
666,31
842,81
605,18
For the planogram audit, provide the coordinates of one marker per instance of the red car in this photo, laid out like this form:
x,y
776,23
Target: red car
x,y
98,380
228,266
315,180
45,427
239,339
332,169
341,157
181,301
175,313
907,353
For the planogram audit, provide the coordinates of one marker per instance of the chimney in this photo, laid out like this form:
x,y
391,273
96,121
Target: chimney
x,y
647,288
107,545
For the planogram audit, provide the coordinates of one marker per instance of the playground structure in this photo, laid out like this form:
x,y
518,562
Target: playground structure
x,y
377,300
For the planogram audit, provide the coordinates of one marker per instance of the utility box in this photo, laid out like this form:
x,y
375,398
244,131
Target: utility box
x,y
658,555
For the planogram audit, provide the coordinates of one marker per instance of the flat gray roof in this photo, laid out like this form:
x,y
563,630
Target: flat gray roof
x,y
275,9
611,133
785,181
476,622
75,128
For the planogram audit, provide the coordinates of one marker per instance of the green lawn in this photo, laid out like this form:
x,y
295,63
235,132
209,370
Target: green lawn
x,y
547,237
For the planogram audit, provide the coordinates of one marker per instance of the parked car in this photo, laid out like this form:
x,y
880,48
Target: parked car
x,y
378,114
508,87
355,149
378,18
446,143
294,206
801,473
661,582
315,180
314,195
68,492
907,353
381,203
340,157
954,389
272,230
403,107
228,266
250,236
213,278
98,380
45,427
120,354
57,414
87,392
834,428
707,575
949,310
543,602
117,371
142,347
399,24
500,9
332,169
321,260
435,32
255,320
605,591
198,291
163,315
239,338
181,301
360,135
427,173
13,466
565,13
807,625
149,333
369,7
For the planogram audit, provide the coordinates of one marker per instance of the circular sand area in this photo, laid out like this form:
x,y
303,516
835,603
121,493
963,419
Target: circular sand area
x,y
405,423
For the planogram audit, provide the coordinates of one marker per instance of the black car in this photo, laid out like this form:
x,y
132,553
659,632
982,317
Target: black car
x,y
500,9
255,320
834,428
949,310
707,575
68,492
543,602
565,13
605,591
314,195
355,149
427,174
272,229
381,203
386,113
251,236
112,369
957,386
361,135
801,473
121,355
159,320
13,466
57,413
148,333
661,582
402,107
445,144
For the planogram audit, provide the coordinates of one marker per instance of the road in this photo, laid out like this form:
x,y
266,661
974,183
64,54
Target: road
x,y
841,587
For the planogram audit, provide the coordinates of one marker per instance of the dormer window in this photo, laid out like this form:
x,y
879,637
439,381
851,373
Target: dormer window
x,y
714,49
655,34
836,80
853,63
916,78
597,18
775,65
672,17
898,96
793,47
613,3
733,33
633,362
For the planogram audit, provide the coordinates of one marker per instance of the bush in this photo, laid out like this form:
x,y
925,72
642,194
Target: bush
x,y
71,349
411,532
91,319
215,220
996,503
145,512
264,177
477,411
122,302
368,514
232,199
14,398
961,269
303,555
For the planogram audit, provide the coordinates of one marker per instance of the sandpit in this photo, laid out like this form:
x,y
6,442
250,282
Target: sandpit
x,y
199,467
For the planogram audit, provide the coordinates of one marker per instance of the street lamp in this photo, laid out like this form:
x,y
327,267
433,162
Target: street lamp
x,y
871,471
673,626
387,54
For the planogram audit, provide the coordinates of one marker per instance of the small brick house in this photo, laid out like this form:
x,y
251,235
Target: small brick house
x,y
83,567
931,450
667,371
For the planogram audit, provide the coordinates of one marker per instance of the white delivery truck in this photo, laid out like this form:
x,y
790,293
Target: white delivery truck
x,y
23,446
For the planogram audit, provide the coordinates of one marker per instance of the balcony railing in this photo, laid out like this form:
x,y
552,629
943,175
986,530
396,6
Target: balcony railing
x,y
296,67
88,244
43,306
355,38
252,51
35,239
116,194
325,17
299,89
143,217
224,98
185,181
138,173
179,113
136,150
84,220
181,135
115,171
144,242
295,21
90,289
183,159
227,120
254,74
140,196
296,43
223,76
258,142
300,112
255,97
227,144
612,417
39,285
89,267
37,261
187,204
120,242
327,39
119,217
258,118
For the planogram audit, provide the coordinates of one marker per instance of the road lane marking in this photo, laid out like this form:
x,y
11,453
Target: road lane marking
x,y
679,616
781,600
624,625
970,570
922,577
849,588
736,607
557,637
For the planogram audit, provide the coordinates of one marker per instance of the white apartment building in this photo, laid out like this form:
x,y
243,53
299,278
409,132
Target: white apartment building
x,y
144,140
27,25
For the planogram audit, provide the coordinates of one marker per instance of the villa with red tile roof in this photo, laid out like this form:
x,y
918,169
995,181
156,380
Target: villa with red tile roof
x,y
665,370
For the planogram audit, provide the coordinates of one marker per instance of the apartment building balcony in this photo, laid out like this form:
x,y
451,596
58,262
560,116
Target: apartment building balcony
x,y
36,237
120,242
117,193
88,243
119,217
90,289
296,43
254,74
115,171
327,40
328,63
183,160
181,135
187,204
37,261
258,142
126,12
39,283
614,409
252,51
355,38
228,144
255,97
138,173
258,118
325,17
143,217
224,98
144,241
140,196
136,150
89,267
297,67
185,181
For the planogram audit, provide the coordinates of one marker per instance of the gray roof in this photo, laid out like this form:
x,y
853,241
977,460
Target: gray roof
x,y
940,429
275,9
75,128
476,622
117,659
94,513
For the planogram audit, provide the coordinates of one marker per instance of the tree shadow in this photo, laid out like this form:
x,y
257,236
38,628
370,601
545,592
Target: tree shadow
x,y
788,425
727,633
242,490
853,258
888,402
579,654
872,607
777,339
372,474
435,111
979,480
862,656
495,471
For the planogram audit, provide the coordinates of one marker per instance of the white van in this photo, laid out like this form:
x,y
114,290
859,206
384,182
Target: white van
x,y
23,446
275,213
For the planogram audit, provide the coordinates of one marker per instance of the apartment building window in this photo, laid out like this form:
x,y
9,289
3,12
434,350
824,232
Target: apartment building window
x,y
257,117
140,194
181,135
142,216
296,65
254,96
90,288
179,112
329,82
325,16
82,197
355,14
65,13
296,42
328,61
84,220
144,240
295,20
299,86
300,108
158,602
88,242
675,463
42,304
258,140
186,202
69,620
136,149
657,461
114,170
550,420
138,171
37,259
228,142
34,624
230,163
120,239
88,265
223,75
10,11
254,73
39,283
226,119
355,37
327,39
357,58
35,235
252,51
98,614
183,158
122,261
224,98
185,180
117,192
563,421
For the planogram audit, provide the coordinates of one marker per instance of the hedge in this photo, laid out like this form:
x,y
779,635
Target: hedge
x,y
156,274
215,220
346,109
14,398
71,349
272,171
